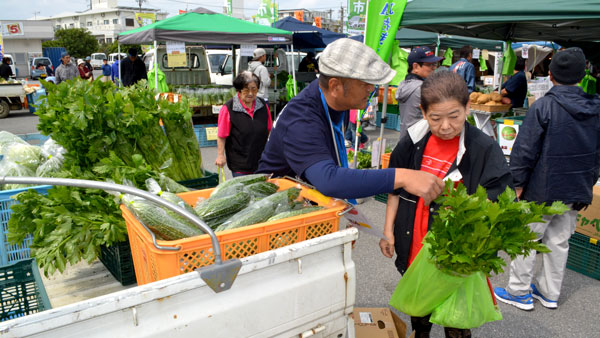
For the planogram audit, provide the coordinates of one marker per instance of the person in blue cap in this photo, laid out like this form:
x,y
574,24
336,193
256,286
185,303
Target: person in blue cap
x,y
307,141
422,62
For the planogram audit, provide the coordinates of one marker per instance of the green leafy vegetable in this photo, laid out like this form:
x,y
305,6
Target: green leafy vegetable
x,y
468,231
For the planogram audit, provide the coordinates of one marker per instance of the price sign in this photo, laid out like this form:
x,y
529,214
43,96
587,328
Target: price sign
x,y
211,133
476,53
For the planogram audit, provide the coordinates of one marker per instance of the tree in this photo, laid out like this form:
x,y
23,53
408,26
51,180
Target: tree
x,y
79,42
113,48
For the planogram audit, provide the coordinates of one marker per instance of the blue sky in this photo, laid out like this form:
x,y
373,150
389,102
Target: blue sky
x,y
24,9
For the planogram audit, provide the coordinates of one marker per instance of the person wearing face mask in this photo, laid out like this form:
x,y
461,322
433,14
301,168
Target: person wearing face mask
x,y
307,139
446,146
422,62
244,126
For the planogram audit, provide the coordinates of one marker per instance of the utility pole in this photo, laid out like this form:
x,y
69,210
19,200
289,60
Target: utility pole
x,y
341,19
35,15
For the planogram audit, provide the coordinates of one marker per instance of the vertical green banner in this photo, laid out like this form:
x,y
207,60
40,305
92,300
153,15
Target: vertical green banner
x,y
267,13
357,15
229,7
383,19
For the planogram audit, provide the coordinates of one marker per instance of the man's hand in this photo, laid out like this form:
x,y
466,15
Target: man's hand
x,y
387,246
220,162
420,183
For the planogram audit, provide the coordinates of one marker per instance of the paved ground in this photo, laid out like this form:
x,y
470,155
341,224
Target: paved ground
x,y
577,315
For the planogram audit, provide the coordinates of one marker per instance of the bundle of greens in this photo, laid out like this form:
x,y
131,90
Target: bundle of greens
x,y
468,231
363,159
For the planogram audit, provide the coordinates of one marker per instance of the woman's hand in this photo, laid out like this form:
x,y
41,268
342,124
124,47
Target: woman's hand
x,y
387,245
220,162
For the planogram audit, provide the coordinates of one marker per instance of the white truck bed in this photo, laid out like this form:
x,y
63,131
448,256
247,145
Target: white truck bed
x,y
11,90
303,290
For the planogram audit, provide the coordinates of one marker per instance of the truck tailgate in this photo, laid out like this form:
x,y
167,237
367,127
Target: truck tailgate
x,y
11,90
278,293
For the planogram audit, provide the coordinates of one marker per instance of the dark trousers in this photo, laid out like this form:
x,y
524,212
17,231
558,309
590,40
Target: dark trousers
x,y
422,327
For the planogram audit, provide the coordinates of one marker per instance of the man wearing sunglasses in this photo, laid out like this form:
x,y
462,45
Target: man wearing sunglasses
x,y
307,140
422,62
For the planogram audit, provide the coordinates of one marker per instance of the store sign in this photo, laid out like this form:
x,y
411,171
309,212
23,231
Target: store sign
x,y
357,16
12,28
144,19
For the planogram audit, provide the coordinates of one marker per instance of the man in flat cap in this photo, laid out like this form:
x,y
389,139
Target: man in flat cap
x,y
67,70
307,140
556,157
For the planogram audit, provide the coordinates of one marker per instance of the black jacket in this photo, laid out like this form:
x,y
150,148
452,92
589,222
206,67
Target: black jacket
x,y
556,156
132,71
481,164
5,71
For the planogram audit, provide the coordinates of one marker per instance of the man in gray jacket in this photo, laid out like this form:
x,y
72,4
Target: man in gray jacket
x,y
421,63
67,70
257,67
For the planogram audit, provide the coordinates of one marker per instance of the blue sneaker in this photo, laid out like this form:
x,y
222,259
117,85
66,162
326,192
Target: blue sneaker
x,y
522,302
550,304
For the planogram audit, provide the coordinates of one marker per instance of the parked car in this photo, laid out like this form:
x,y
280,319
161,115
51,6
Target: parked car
x,y
216,57
97,60
35,63
112,57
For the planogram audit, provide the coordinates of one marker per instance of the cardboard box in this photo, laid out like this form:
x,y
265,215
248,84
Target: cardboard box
x,y
488,80
588,220
378,323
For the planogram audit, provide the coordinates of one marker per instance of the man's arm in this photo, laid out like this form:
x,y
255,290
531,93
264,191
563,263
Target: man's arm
x,y
470,77
334,181
528,145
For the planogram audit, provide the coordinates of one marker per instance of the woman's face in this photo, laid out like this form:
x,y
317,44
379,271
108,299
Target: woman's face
x,y
446,119
248,94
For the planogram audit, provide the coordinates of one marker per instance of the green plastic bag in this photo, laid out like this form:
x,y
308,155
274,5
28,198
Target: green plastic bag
x,y
448,54
470,306
510,60
289,85
588,83
423,287
482,64
162,83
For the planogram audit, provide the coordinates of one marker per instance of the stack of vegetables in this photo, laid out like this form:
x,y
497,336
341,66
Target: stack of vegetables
x,y
236,203
206,96
19,158
108,134
461,250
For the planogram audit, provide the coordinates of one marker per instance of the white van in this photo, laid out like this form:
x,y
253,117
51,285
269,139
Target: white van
x,y
112,57
97,60
195,72
225,76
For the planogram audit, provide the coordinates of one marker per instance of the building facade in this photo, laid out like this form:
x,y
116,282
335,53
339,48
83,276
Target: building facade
x,y
25,41
106,19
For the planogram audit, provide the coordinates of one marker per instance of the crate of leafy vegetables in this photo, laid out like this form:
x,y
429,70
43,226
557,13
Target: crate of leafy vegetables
x,y
448,277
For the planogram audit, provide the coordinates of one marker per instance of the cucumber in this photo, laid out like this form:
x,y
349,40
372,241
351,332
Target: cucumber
x,y
245,180
222,207
293,213
227,191
261,188
255,213
283,200
161,222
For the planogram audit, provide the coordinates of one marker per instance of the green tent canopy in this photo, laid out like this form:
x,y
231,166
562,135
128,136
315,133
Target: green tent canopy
x,y
205,26
407,37
515,20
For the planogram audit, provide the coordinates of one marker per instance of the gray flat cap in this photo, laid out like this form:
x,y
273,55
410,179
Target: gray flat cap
x,y
352,59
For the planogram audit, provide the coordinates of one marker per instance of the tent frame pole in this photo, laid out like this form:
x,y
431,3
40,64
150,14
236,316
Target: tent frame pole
x,y
119,58
155,66
294,71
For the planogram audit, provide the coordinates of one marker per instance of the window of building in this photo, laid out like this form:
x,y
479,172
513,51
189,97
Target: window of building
x,y
129,22
115,21
71,25
108,40
106,22
58,27
89,24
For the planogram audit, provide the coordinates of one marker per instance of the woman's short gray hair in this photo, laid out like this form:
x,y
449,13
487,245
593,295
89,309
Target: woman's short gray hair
x,y
243,79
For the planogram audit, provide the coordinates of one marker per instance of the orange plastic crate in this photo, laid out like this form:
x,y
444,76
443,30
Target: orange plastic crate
x,y
152,264
385,160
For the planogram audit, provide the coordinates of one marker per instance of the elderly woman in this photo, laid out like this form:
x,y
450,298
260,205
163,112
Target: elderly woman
x,y
84,72
244,126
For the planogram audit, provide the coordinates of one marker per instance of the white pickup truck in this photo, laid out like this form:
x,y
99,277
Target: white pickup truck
x,y
305,289
11,95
